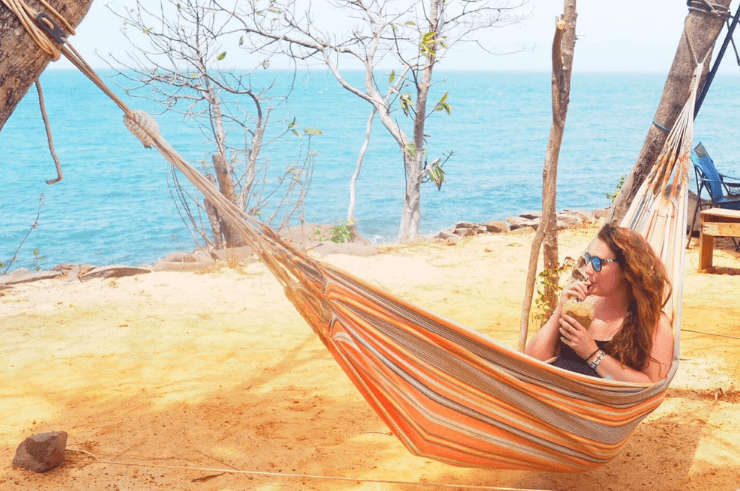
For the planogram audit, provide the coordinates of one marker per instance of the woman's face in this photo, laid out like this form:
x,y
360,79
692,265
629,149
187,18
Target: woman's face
x,y
609,279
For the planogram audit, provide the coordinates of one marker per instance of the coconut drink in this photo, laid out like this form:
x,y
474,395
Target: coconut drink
x,y
581,311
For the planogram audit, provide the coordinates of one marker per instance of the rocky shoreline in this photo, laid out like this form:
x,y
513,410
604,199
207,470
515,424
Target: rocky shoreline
x,y
309,237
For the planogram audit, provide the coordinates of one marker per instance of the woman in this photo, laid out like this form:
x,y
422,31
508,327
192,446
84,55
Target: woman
x,y
630,338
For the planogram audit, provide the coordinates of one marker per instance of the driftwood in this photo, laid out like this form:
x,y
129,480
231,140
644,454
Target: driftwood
x,y
21,61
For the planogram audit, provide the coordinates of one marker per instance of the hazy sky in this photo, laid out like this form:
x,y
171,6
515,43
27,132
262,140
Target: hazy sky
x,y
633,36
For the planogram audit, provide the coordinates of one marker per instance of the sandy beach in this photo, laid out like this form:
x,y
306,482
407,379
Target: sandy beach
x,y
215,370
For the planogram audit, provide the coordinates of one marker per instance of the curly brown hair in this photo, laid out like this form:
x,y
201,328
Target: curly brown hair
x,y
648,291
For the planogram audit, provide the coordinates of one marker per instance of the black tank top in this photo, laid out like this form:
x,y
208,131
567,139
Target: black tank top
x,y
569,360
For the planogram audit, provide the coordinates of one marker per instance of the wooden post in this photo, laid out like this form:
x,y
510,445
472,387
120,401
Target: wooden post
x,y
563,46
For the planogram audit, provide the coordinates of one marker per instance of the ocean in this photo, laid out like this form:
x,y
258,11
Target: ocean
x,y
115,206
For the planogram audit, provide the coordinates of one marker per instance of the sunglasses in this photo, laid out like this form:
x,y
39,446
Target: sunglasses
x,y
597,262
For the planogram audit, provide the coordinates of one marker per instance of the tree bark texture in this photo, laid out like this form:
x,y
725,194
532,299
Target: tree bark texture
x,y
226,186
563,47
702,29
21,60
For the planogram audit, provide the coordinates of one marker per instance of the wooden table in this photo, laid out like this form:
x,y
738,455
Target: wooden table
x,y
716,222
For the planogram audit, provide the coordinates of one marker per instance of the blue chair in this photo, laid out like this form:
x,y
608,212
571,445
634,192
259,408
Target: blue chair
x,y
722,191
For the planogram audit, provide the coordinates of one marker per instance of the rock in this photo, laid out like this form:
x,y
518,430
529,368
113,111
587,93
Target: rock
x,y
444,234
565,224
24,276
585,216
453,240
601,213
531,215
497,227
73,271
466,225
466,232
519,222
566,221
116,271
42,452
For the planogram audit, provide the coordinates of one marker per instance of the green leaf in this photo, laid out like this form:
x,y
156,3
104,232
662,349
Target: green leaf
x,y
443,105
411,23
241,40
406,103
437,174
221,56
392,77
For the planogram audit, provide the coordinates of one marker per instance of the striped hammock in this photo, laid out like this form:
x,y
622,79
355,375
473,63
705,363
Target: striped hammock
x,y
452,394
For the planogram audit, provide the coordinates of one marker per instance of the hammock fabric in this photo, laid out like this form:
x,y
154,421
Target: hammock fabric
x,y
447,392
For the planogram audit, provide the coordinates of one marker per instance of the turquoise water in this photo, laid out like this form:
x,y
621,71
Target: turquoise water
x,y
114,204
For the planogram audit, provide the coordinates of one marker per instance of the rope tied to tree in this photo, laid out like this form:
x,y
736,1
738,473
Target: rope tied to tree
x,y
39,25
143,126
709,8
52,40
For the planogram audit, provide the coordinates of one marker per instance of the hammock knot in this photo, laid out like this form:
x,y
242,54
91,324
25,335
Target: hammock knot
x,y
143,126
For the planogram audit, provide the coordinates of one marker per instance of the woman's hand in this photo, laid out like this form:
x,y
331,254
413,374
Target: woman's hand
x,y
574,335
577,290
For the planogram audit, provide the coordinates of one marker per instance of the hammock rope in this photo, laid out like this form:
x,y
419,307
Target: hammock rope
x,y
448,392
29,19
303,476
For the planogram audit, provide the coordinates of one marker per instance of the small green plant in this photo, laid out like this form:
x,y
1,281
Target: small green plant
x,y
37,258
343,232
317,234
548,287
613,196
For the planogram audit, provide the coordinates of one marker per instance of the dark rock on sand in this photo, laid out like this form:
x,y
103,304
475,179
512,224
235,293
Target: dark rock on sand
x,y
42,452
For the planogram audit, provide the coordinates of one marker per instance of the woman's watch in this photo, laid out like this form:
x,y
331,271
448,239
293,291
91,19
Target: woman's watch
x,y
597,359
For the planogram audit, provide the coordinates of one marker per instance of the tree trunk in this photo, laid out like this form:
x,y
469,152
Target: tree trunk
x,y
213,217
21,60
702,29
226,186
562,63
411,213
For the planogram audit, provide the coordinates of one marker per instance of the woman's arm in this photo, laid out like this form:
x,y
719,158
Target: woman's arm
x,y
543,345
661,357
